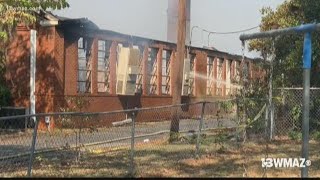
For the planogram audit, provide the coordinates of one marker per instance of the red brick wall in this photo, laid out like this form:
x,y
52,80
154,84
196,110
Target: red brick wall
x,y
46,79
200,81
113,67
48,68
71,65
17,67
94,67
57,74
60,66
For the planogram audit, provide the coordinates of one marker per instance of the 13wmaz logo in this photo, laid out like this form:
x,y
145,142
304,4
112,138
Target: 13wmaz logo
x,y
285,162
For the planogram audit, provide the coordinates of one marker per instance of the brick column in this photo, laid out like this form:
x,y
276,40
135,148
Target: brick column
x,y
145,70
159,72
94,66
224,76
113,67
215,76
232,69
71,66
228,75
45,73
241,69
200,79
232,74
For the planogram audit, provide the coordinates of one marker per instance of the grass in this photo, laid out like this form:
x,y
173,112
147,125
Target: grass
x,y
221,156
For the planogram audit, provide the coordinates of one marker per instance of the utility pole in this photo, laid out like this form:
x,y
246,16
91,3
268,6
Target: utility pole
x,y
178,67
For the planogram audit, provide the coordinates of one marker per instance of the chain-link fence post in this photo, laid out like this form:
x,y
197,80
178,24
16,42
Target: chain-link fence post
x,y
199,131
133,118
238,120
33,146
272,123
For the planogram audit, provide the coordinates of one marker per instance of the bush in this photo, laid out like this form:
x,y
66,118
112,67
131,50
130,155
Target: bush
x,y
227,106
294,135
316,135
5,96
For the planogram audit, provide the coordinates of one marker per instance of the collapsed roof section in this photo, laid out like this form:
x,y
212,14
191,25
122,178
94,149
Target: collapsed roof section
x,y
85,27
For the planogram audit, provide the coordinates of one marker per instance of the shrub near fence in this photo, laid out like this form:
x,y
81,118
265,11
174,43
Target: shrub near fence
x,y
15,123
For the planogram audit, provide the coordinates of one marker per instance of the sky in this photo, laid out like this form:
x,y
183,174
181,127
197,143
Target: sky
x,y
148,18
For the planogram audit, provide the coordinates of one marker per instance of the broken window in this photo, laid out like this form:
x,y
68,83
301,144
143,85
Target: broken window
x,y
219,76
227,77
237,71
103,66
166,54
152,70
210,75
230,78
139,75
192,74
84,66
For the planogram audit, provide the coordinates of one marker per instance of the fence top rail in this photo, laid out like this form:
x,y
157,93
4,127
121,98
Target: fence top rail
x,y
278,32
13,108
107,112
298,88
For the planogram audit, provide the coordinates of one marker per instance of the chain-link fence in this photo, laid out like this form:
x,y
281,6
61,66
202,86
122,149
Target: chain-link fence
x,y
288,110
216,139
288,104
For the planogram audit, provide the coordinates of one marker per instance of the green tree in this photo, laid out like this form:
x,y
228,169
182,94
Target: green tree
x,y
289,48
12,13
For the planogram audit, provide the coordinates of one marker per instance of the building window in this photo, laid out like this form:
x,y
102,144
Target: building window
x,y
152,71
210,75
139,75
118,52
192,74
84,66
166,54
230,78
219,76
103,66
237,71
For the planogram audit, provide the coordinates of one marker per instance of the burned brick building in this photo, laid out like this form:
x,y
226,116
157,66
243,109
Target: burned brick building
x,y
77,58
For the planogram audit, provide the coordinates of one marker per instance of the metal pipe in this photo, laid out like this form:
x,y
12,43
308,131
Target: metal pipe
x,y
33,62
307,50
33,147
209,38
191,33
307,53
133,129
270,93
273,33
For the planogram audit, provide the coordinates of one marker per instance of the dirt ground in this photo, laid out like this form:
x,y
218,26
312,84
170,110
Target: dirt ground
x,y
220,156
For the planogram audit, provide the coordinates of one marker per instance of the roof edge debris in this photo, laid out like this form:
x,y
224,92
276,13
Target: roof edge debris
x,y
87,24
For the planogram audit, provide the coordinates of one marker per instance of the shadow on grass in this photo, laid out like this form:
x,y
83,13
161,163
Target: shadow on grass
x,y
67,164
223,159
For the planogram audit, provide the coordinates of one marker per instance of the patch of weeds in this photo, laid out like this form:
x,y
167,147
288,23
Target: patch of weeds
x,y
193,138
316,135
174,137
294,135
